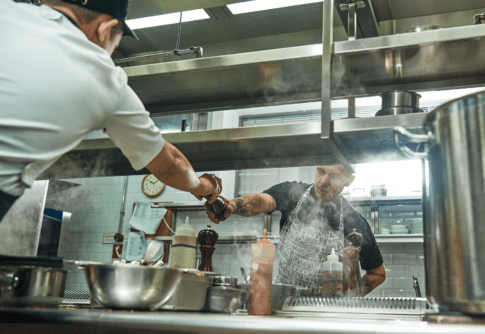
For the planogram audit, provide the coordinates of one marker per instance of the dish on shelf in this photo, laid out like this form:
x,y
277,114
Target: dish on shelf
x,y
385,231
399,229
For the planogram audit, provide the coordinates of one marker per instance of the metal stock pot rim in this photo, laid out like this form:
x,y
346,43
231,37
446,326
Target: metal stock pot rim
x,y
444,107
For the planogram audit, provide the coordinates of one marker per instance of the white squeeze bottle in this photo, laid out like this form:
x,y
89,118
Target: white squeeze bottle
x,y
332,276
184,247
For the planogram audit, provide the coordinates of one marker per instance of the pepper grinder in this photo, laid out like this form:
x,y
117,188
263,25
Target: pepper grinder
x,y
351,258
207,239
218,207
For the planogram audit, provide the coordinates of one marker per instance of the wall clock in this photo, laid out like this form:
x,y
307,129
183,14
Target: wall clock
x,y
151,186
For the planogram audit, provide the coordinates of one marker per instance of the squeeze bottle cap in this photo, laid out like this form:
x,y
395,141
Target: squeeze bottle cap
x,y
185,229
332,257
264,240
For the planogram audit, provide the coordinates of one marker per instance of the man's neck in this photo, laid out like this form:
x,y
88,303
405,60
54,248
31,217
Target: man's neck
x,y
70,13
66,11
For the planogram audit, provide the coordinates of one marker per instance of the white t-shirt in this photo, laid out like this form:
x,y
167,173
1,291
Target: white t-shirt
x,y
56,86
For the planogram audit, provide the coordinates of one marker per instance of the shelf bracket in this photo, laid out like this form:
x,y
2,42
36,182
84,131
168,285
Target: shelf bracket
x,y
327,41
352,19
367,25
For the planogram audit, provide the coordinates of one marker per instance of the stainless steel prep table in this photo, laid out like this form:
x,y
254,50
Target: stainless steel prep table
x,y
88,321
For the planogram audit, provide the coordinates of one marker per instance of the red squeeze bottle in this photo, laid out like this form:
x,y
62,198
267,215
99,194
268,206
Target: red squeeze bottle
x,y
261,279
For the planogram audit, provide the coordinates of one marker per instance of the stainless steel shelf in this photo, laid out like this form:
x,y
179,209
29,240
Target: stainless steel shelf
x,y
382,198
233,239
399,238
288,145
285,145
275,239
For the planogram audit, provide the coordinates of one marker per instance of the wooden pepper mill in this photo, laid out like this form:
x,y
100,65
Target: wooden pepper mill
x,y
207,239
351,258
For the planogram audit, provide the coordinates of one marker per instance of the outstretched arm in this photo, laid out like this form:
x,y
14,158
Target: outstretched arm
x,y
252,205
247,206
172,167
372,279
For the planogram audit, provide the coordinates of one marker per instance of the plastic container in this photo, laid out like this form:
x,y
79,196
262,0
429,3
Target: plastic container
x,y
190,294
184,247
332,276
261,278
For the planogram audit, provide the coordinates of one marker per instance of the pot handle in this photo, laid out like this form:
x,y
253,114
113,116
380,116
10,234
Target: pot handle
x,y
14,281
35,261
413,138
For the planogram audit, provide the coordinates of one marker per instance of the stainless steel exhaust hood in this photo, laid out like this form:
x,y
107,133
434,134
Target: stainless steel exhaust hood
x,y
438,59
427,60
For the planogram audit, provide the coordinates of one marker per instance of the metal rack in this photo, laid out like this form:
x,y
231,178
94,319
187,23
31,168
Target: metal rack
x,y
373,202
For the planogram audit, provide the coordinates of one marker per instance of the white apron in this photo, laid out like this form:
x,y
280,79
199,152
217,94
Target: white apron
x,y
303,248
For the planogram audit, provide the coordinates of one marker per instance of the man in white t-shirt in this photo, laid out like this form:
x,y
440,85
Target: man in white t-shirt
x,y
58,83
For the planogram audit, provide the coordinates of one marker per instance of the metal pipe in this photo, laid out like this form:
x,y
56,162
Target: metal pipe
x,y
41,217
268,219
197,50
352,22
122,212
179,33
327,41
351,109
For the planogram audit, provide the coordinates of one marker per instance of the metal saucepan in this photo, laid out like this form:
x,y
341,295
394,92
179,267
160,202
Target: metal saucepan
x,y
224,299
31,286
33,281
454,247
223,281
125,286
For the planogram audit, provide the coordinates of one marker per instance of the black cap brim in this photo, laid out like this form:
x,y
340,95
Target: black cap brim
x,y
128,32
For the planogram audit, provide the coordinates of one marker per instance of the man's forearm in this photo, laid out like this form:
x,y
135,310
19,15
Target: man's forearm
x,y
253,204
172,167
372,279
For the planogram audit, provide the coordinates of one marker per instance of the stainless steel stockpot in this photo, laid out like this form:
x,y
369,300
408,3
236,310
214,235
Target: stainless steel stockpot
x,y
454,203
31,286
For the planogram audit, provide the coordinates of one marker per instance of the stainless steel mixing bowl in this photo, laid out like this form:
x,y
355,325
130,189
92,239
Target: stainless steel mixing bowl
x,y
123,286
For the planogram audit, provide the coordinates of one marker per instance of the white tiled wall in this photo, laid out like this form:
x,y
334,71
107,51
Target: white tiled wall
x,y
402,262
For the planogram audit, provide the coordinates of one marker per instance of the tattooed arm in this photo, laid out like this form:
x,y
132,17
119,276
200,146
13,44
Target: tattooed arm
x,y
372,279
247,206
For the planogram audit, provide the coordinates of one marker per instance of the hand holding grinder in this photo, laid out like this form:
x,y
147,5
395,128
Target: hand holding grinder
x,y
218,207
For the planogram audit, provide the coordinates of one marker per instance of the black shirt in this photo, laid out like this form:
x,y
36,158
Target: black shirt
x,y
288,194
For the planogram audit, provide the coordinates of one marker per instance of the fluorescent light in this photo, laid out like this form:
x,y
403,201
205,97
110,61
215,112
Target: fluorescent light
x,y
259,5
166,19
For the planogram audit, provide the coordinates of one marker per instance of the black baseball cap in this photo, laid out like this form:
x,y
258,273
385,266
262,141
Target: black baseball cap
x,y
118,9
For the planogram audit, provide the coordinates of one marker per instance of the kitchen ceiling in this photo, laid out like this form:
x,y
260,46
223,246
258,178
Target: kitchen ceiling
x,y
224,33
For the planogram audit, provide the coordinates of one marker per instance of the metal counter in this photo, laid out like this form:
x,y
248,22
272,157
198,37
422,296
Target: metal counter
x,y
120,322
